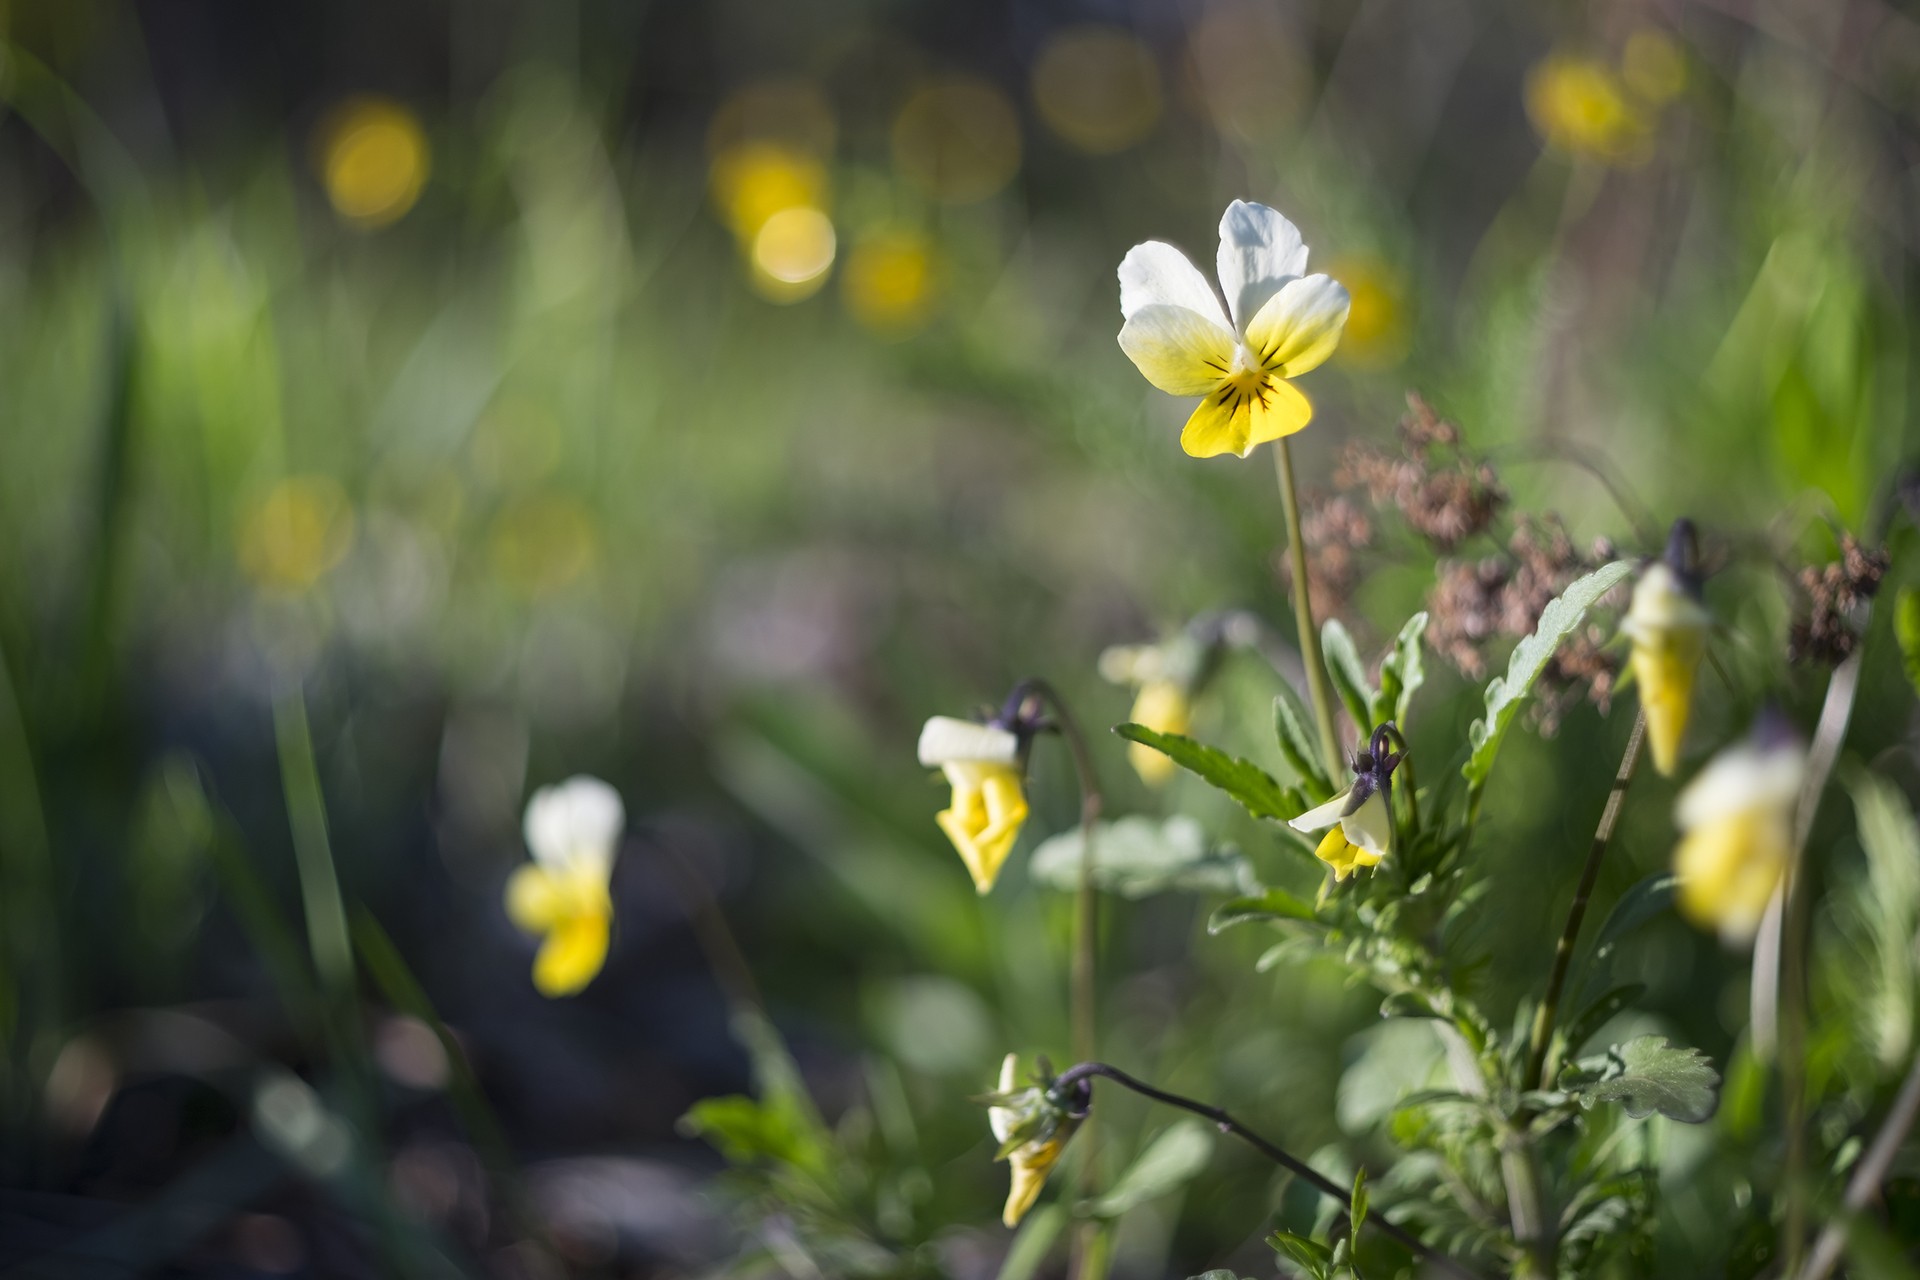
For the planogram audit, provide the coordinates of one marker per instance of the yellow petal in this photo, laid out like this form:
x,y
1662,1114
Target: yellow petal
x,y
1300,325
572,954
1031,1165
535,900
1179,350
1729,869
1664,664
1344,856
1242,413
985,817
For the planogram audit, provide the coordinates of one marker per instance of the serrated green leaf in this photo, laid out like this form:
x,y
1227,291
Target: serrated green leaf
x,y
1273,904
1349,674
1169,1163
1645,1075
1506,693
1137,857
1402,673
1244,780
1299,745
1906,630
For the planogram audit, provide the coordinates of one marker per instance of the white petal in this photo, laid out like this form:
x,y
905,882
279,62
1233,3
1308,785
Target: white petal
x,y
580,818
1323,817
945,740
1259,252
1371,825
1300,324
1157,274
1741,778
1661,604
1180,351
1001,1118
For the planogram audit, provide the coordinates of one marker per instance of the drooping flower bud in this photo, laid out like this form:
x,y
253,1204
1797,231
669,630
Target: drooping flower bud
x,y
1032,1127
1668,625
1358,821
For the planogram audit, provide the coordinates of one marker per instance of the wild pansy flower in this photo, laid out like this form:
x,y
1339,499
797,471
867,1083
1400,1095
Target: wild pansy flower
x,y
1032,1127
1736,820
572,830
1278,323
983,764
1668,625
1358,821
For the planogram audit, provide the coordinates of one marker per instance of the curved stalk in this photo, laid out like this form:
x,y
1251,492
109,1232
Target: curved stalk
x,y
1074,1086
1563,950
1868,1176
1310,658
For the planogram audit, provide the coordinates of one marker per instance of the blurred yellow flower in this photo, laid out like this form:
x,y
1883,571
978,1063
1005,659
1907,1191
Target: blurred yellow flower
x,y
373,160
572,830
958,139
792,253
1278,323
1098,87
982,763
890,283
542,543
1376,333
1163,706
1577,104
1032,1133
302,527
1737,825
753,181
1668,626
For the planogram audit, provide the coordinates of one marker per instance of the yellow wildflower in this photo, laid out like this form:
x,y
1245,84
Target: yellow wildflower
x,y
1358,821
1737,825
1278,323
982,762
1668,626
1033,1132
572,831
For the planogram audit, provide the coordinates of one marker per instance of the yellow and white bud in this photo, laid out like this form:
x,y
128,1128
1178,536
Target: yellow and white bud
x,y
1359,828
1668,626
989,806
1736,820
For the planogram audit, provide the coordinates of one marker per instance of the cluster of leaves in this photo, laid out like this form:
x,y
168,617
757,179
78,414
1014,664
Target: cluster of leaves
x,y
1402,930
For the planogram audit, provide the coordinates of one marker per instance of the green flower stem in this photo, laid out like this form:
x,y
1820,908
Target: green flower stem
x,y
1535,1077
1317,692
1090,1259
1867,1177
1790,980
1075,1085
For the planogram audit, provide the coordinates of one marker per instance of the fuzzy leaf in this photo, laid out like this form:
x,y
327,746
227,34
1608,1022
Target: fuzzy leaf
x,y
1530,657
1244,780
1402,673
1645,1075
1137,857
1273,904
1169,1162
1299,745
1349,675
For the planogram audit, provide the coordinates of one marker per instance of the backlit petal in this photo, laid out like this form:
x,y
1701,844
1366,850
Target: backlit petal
x,y
572,954
1370,827
1220,424
1180,350
946,740
1279,410
1300,325
1324,816
1157,274
580,817
1259,251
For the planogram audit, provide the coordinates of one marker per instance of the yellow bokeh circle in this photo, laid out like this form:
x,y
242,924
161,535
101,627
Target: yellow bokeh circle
x,y
1097,87
957,139
298,530
373,160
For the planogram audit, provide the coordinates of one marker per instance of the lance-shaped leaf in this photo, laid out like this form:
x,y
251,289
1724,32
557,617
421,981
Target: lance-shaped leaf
x,y
1645,1075
1168,1163
1401,673
1299,746
1530,658
1270,905
1349,675
1137,857
1906,630
1244,780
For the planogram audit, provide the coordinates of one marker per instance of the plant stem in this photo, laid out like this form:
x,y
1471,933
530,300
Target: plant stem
x,y
327,934
1075,1086
1563,950
1089,1259
1790,980
1310,657
1866,1179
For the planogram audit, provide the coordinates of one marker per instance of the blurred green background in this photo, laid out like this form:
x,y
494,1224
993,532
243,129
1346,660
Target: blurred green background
x,y
463,396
